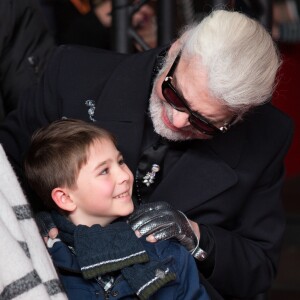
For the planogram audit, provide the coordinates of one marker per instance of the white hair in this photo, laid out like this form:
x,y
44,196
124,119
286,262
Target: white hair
x,y
239,56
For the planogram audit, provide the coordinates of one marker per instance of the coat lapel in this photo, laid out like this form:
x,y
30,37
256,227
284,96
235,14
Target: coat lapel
x,y
208,165
199,167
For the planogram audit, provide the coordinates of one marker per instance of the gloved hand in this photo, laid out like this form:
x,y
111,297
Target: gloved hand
x,y
165,222
46,225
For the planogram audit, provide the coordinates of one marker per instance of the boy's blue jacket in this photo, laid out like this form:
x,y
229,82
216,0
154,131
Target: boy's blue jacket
x,y
171,254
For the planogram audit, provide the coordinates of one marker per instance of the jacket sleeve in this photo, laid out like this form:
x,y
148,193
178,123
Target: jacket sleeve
x,y
37,107
62,256
247,251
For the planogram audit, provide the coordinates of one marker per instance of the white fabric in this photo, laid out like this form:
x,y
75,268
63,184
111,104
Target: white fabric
x,y
26,269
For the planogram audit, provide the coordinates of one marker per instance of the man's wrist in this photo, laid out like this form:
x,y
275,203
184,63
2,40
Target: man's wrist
x,y
195,228
206,243
199,254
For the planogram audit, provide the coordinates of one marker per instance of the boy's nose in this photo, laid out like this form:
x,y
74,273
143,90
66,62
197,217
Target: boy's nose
x,y
123,175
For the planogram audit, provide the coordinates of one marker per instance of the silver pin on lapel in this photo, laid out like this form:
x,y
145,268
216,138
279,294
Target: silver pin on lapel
x,y
150,176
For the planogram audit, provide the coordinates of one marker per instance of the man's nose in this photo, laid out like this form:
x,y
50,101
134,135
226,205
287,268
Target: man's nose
x,y
180,119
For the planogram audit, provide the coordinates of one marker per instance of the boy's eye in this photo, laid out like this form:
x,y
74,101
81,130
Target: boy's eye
x,y
104,172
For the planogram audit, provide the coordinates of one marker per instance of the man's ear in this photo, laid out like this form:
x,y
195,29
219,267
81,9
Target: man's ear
x,y
62,199
176,45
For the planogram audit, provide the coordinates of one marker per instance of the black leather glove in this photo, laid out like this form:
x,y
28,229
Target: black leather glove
x,y
165,222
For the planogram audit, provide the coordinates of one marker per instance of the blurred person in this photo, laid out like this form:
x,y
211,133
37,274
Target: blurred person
x,y
25,46
88,23
26,270
286,21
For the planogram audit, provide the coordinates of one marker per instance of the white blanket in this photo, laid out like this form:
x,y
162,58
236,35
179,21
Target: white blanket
x,y
26,269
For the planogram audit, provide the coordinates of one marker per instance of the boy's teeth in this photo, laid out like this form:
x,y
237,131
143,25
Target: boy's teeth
x,y
121,195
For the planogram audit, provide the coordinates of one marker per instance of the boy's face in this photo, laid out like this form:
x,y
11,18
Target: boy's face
x,y
104,187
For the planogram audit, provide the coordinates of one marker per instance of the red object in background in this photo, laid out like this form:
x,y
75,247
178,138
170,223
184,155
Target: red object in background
x,y
287,98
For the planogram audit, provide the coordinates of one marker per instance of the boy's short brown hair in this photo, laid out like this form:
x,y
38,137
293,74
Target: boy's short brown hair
x,y
57,153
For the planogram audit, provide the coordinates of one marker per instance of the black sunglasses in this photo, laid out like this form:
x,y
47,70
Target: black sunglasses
x,y
177,102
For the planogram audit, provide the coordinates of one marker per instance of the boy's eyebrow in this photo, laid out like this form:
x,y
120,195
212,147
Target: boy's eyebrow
x,y
101,164
105,162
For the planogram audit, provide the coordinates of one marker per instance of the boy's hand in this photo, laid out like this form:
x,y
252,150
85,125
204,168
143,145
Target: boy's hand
x,y
46,225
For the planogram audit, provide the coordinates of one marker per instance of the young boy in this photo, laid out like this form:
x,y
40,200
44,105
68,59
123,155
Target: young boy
x,y
76,169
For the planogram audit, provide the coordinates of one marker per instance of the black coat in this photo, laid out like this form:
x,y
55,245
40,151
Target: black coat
x,y
231,183
25,45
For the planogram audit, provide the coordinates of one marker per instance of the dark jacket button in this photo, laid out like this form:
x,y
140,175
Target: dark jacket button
x,y
114,293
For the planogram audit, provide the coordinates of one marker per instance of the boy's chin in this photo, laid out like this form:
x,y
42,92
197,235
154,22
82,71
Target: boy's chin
x,y
129,209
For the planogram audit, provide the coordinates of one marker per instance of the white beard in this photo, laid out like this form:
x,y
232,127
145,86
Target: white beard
x,y
156,107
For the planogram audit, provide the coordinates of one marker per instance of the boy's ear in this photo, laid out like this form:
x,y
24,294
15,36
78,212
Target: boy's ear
x,y
62,199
